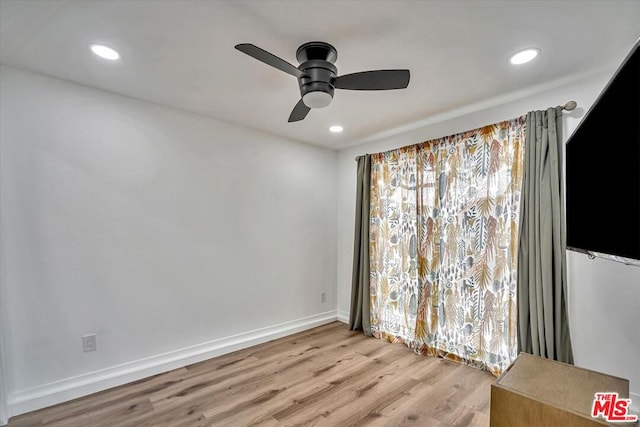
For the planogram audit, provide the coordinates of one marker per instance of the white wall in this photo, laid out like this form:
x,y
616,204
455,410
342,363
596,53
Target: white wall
x,y
157,229
603,295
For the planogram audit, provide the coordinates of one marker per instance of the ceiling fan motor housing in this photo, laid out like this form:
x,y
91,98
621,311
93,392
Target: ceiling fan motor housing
x,y
319,78
316,61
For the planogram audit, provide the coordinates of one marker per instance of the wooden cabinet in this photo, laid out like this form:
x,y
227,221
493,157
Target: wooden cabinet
x,y
539,392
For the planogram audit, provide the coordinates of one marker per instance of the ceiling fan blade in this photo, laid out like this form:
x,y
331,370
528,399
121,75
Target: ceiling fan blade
x,y
299,112
269,59
374,80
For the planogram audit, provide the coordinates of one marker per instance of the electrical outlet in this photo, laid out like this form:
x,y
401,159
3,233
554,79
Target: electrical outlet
x,y
89,342
323,297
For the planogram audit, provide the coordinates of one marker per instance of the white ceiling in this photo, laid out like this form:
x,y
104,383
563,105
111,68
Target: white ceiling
x,y
181,53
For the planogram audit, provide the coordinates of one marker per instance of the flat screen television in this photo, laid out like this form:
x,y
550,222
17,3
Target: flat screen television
x,y
603,170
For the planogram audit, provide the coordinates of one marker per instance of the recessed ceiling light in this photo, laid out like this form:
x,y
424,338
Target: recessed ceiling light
x,y
336,129
104,51
524,56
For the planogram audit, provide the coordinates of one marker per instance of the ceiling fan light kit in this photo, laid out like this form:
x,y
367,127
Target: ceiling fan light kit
x,y
317,76
317,99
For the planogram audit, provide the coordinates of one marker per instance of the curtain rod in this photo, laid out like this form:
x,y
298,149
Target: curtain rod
x,y
569,106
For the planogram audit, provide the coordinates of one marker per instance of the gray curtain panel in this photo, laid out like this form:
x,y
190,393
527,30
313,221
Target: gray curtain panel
x,y
359,316
543,327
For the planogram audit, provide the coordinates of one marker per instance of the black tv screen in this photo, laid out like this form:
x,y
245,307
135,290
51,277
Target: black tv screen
x,y
603,169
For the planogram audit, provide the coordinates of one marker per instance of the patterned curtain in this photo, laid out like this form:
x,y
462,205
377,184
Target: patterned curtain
x,y
393,245
443,245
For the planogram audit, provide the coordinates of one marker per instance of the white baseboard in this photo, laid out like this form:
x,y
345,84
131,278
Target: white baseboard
x,y
56,392
343,316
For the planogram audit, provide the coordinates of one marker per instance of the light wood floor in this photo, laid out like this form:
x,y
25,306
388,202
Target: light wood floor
x,y
326,376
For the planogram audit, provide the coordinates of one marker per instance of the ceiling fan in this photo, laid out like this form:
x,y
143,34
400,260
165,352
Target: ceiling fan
x,y
317,75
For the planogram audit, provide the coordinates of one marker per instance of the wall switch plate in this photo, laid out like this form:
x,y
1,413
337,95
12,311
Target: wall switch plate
x,y
89,342
323,297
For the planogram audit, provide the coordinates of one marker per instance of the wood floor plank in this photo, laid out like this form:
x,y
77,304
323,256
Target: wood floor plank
x,y
365,382
408,410
296,390
371,399
223,394
326,376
